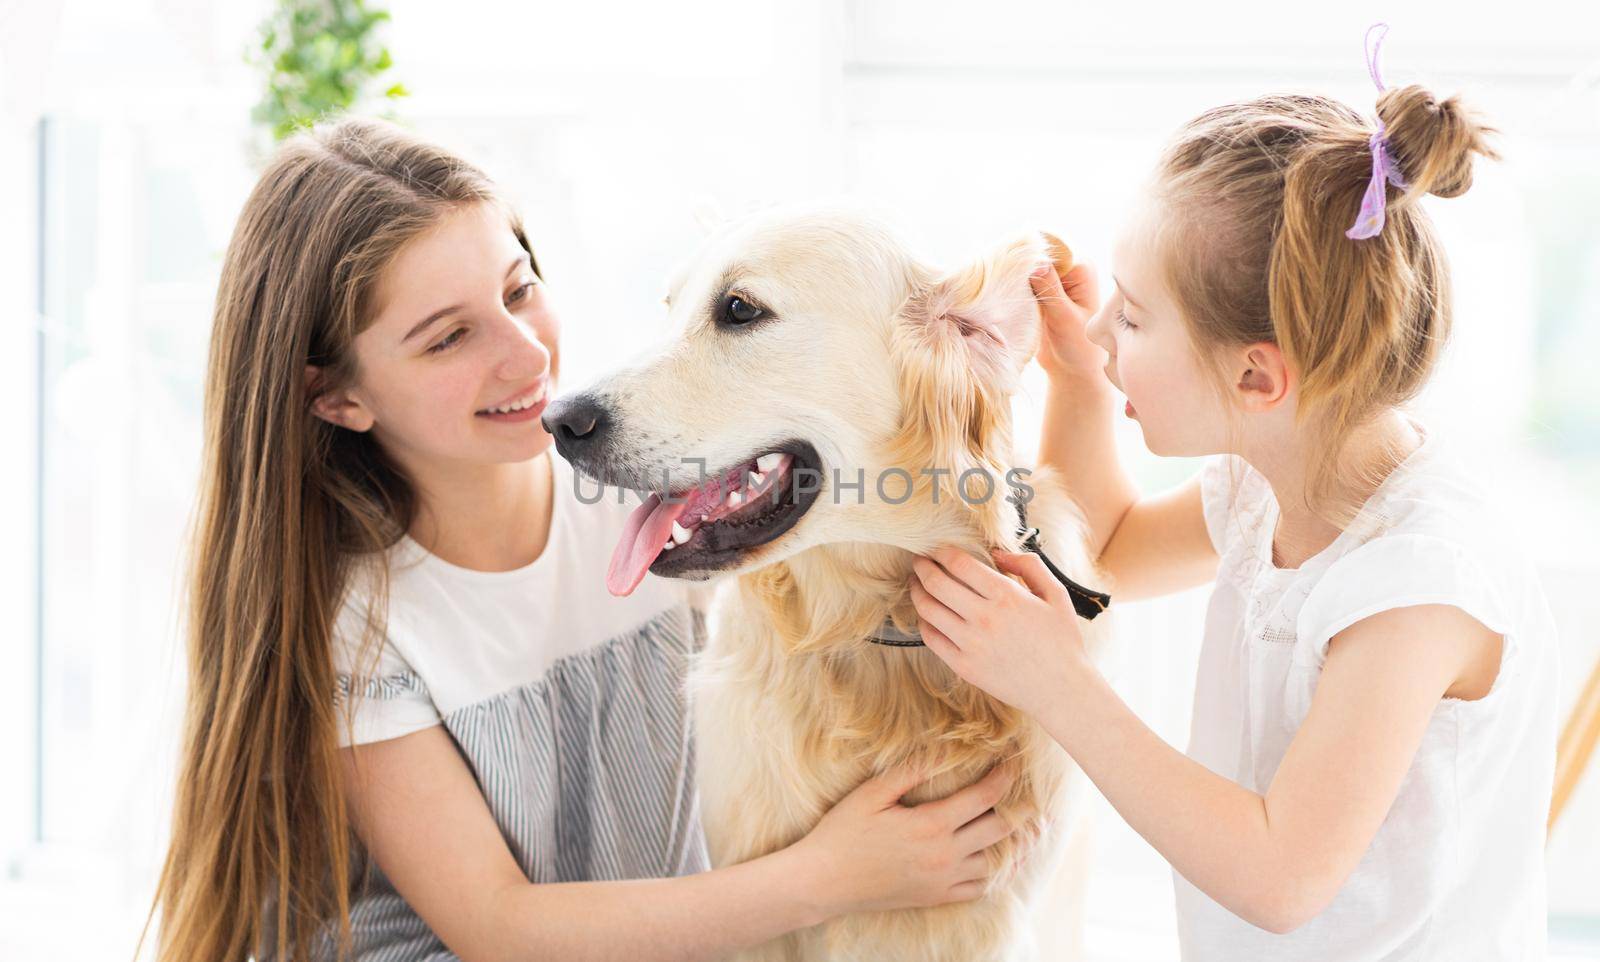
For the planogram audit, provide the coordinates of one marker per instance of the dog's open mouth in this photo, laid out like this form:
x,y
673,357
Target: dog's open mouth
x,y
704,529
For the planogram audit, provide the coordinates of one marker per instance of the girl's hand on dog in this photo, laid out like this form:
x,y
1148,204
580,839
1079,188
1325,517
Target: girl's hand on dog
x,y
1066,303
871,852
1018,642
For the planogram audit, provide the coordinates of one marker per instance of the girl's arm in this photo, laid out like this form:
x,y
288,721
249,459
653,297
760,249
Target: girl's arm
x,y
1077,439
1274,859
1147,546
435,839
1161,546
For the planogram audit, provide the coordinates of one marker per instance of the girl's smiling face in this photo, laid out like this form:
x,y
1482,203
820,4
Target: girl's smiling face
x,y
461,328
1152,358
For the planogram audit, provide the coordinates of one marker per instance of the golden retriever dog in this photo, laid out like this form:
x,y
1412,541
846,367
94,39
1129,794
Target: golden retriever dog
x,y
830,406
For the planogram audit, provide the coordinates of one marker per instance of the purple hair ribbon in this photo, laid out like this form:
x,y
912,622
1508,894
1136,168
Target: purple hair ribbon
x,y
1384,169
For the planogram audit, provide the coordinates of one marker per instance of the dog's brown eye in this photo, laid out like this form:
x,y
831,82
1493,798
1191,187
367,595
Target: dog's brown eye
x,y
740,311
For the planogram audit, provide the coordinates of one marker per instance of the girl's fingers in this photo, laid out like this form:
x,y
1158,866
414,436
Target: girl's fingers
x,y
947,651
1052,297
940,644
933,612
983,580
1073,296
1032,571
967,891
956,594
982,832
974,800
886,788
1082,287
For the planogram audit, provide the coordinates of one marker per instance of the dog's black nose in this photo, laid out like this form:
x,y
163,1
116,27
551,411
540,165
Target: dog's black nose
x,y
578,423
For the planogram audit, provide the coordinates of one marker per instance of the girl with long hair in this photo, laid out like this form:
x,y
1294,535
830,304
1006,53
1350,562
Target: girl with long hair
x,y
418,727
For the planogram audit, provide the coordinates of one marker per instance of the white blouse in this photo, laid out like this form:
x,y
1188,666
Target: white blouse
x,y
1456,871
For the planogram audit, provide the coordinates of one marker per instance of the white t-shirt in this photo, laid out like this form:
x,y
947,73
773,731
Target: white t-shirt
x,y
1456,871
568,705
455,636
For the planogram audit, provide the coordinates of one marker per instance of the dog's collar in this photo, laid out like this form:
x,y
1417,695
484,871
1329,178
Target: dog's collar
x,y
1085,601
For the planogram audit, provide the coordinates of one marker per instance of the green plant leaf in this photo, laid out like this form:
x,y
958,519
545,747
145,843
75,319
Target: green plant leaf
x,y
319,57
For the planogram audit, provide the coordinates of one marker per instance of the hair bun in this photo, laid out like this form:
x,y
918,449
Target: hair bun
x,y
1433,140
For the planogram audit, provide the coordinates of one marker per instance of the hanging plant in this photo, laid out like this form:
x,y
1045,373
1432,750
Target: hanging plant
x,y
320,57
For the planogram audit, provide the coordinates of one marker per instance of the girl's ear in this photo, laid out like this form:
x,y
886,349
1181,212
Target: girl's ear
x,y
1261,377
337,407
988,307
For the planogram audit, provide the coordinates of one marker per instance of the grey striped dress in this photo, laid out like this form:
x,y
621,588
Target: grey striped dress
x,y
568,705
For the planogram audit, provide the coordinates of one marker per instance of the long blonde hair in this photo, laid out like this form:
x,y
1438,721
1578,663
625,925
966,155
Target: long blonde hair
x,y
288,504
1259,195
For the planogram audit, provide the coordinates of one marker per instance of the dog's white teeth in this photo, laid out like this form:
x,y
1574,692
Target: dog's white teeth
x,y
767,462
668,546
757,479
680,534
735,498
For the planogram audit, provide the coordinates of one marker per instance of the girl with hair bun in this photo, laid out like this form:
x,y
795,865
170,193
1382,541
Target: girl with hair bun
x,y
1373,738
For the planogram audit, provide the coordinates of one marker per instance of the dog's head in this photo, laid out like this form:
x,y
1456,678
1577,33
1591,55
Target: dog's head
x,y
826,386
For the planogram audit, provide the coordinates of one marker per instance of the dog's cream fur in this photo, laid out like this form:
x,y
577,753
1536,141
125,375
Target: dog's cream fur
x,y
880,362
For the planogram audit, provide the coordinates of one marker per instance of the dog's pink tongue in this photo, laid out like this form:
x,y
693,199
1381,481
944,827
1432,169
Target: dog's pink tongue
x,y
642,539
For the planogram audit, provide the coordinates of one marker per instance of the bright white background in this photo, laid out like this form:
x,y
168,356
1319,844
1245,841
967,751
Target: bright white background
x,y
612,125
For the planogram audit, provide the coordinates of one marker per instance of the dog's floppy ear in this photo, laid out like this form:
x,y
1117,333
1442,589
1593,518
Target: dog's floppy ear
x,y
988,306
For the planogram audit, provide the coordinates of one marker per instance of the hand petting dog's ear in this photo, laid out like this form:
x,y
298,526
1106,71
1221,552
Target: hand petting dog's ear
x,y
1068,299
